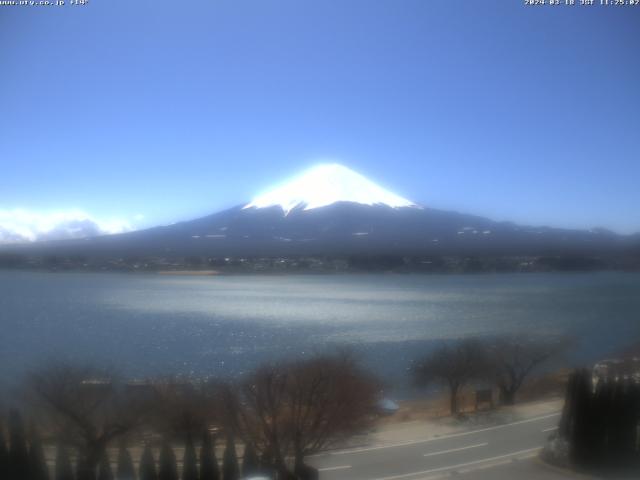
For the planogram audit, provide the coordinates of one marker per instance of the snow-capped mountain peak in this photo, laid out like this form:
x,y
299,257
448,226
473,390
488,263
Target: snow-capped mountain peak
x,y
325,184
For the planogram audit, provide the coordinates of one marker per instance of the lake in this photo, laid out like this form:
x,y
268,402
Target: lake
x,y
224,325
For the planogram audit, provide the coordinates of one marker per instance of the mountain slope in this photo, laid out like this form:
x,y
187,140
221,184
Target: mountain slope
x,y
331,210
343,228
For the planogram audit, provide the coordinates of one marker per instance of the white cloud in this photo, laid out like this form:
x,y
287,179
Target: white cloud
x,y
20,225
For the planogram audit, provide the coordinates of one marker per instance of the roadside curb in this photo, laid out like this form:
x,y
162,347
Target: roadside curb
x,y
564,471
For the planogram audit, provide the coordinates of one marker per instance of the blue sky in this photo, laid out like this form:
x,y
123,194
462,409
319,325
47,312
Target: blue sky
x,y
171,110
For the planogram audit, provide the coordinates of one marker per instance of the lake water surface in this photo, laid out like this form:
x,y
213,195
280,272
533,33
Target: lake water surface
x,y
224,325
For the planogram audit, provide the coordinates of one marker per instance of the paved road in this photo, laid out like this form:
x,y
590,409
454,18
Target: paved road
x,y
506,451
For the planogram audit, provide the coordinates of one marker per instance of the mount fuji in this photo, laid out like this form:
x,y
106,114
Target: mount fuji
x,y
324,185
332,210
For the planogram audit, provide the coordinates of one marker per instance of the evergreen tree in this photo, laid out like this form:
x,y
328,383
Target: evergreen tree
x,y
168,468
83,469
600,415
628,428
608,397
635,400
602,426
189,461
305,472
580,438
250,461
623,426
4,455
148,469
230,468
209,469
125,471
617,425
266,463
104,468
18,453
38,469
63,470
565,427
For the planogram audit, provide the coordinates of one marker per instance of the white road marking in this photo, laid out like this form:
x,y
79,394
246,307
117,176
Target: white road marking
x,y
474,468
507,461
465,464
455,449
329,469
434,439
549,429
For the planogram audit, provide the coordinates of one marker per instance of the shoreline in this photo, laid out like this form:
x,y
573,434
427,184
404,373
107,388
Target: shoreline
x,y
293,273
197,273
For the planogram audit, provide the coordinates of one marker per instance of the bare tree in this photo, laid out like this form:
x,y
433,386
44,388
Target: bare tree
x,y
86,408
263,412
330,399
513,359
298,408
183,408
454,365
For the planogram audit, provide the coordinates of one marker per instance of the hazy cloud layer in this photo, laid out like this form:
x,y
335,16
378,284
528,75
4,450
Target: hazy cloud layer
x,y
18,225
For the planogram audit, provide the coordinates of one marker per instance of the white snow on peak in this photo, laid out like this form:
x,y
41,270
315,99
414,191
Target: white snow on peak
x,y
325,184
